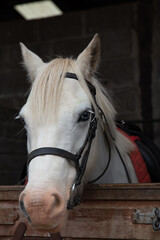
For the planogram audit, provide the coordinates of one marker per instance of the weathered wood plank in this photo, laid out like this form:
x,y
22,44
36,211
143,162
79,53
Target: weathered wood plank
x,y
5,238
124,186
99,192
112,220
48,238
38,238
7,193
133,192
8,216
122,194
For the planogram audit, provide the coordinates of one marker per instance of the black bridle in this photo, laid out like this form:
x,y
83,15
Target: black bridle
x,y
82,154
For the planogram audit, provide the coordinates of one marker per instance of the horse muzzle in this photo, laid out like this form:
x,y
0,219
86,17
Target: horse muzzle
x,y
44,210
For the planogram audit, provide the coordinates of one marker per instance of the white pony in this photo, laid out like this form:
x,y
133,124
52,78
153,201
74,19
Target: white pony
x,y
58,114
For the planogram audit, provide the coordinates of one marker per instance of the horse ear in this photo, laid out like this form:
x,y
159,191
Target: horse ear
x,y
31,61
88,60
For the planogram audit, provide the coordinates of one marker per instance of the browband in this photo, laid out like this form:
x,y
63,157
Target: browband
x,y
71,75
74,76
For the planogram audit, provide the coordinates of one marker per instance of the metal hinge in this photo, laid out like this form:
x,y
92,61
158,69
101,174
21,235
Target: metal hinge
x,y
147,216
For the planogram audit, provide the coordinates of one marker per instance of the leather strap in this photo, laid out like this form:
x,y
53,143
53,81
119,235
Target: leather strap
x,y
71,75
74,76
20,231
55,236
53,151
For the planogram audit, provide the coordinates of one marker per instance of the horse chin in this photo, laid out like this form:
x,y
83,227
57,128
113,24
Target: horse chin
x,y
50,229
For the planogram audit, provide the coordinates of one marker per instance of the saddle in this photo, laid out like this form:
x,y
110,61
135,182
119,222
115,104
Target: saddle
x,y
148,150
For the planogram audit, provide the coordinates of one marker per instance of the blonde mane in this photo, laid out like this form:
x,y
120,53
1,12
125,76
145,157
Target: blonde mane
x,y
46,90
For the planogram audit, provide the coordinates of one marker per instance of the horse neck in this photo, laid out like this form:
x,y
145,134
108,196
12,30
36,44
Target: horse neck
x,y
99,157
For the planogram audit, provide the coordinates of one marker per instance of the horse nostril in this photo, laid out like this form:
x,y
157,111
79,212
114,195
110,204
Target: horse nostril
x,y
56,201
22,207
55,204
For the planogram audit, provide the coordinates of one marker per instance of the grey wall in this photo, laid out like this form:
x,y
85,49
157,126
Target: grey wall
x,y
156,70
68,35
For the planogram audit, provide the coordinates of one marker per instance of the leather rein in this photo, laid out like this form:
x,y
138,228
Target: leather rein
x,y
82,154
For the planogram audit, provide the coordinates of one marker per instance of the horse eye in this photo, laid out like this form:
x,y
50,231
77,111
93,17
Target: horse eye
x,y
84,116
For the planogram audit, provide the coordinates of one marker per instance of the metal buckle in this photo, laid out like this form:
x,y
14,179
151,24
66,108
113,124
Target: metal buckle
x,y
75,198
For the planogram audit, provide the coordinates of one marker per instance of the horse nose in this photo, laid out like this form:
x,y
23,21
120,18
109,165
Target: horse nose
x,y
44,210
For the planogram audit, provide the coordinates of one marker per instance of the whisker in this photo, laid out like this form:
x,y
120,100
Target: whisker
x,y
21,132
21,181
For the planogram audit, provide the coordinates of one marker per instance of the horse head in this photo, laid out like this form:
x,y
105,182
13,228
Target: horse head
x,y
59,114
